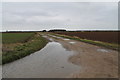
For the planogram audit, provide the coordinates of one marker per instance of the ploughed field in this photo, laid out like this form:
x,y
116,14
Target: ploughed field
x,y
108,36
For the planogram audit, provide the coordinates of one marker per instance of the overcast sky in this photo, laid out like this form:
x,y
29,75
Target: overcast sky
x,y
60,15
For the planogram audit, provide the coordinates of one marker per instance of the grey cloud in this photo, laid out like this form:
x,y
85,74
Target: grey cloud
x,y
38,16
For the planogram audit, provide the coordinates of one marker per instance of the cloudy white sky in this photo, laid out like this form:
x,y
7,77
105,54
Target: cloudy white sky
x,y
65,15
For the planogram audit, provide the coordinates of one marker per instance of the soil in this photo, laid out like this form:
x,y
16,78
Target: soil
x,y
95,61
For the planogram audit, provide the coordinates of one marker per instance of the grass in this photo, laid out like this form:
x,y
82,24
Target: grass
x,y
35,43
98,43
15,37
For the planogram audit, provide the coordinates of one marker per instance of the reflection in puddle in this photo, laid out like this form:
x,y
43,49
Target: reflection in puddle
x,y
51,39
50,62
56,37
59,37
44,36
102,50
72,42
53,36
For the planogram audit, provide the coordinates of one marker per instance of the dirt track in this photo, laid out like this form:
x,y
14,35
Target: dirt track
x,y
65,58
95,61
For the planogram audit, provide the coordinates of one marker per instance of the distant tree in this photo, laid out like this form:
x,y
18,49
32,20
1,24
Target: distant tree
x,y
57,30
7,31
44,31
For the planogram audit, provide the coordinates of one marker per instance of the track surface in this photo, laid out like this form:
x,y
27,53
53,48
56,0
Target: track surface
x,y
65,58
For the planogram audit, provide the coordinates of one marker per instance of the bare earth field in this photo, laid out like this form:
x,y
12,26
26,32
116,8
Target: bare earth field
x,y
105,36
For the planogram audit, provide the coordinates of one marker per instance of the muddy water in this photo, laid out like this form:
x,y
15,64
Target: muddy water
x,y
102,50
72,42
50,62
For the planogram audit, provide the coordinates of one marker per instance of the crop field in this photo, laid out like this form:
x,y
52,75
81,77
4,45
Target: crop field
x,y
110,37
15,37
18,45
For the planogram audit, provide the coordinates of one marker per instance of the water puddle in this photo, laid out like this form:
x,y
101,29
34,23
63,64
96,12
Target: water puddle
x,y
56,37
53,36
59,37
44,36
66,39
50,62
47,38
102,50
72,42
51,39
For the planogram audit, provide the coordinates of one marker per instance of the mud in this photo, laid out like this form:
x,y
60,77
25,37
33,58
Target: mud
x,y
95,61
61,59
50,62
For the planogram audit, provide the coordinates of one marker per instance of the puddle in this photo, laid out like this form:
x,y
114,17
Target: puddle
x,y
56,37
50,62
102,50
53,36
48,38
66,39
51,39
44,36
72,42
59,37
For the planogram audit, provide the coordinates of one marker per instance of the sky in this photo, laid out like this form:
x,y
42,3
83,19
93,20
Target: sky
x,y
59,15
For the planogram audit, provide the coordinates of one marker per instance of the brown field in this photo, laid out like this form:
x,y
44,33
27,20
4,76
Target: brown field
x,y
111,37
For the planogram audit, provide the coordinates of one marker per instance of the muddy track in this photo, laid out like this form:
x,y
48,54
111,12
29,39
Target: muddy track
x,y
63,58
95,61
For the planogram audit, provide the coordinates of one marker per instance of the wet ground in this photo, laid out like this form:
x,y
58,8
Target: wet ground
x,y
50,62
62,58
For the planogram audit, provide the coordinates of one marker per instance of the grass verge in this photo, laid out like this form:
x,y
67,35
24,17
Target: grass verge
x,y
98,43
34,44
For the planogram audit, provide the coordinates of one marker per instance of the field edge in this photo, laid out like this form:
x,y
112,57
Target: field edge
x,y
98,43
37,42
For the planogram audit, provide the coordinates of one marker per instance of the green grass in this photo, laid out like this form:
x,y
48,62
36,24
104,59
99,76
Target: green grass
x,y
35,43
98,43
15,37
